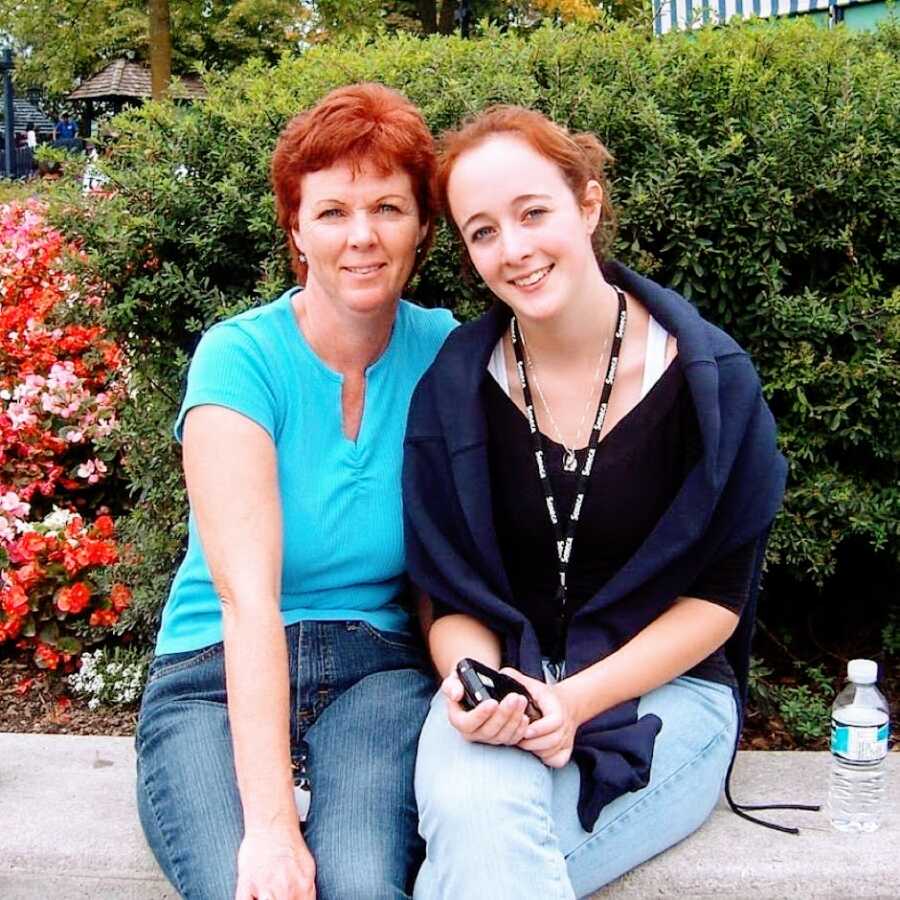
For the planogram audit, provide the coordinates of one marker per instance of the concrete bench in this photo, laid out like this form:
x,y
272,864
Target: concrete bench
x,y
69,830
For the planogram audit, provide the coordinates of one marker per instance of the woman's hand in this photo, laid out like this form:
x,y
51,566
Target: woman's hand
x,y
551,737
490,722
275,864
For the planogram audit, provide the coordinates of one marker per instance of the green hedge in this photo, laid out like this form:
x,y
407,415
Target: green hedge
x,y
756,172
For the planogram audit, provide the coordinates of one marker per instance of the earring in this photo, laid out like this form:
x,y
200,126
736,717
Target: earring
x,y
302,257
418,249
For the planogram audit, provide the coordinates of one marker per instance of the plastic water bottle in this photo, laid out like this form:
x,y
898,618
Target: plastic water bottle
x,y
859,738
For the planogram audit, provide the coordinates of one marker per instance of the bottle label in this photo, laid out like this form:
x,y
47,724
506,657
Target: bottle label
x,y
859,743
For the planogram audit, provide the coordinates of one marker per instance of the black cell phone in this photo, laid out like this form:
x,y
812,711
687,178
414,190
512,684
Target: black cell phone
x,y
481,682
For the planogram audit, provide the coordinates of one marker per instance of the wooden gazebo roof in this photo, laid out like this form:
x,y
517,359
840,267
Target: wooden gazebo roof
x,y
123,79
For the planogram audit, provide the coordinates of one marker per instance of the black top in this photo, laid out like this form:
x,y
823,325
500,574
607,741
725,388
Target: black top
x,y
727,500
639,467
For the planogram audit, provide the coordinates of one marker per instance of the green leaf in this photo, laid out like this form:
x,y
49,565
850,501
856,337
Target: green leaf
x,y
69,645
49,634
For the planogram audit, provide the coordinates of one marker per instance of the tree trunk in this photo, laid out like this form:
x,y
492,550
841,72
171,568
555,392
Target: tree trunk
x,y
160,48
427,10
446,23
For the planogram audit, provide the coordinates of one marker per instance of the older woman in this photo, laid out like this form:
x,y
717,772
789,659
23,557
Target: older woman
x,y
286,668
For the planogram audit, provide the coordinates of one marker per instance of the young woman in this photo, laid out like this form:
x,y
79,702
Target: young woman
x,y
589,478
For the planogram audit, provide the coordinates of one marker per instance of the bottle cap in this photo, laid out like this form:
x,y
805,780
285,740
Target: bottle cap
x,y
862,671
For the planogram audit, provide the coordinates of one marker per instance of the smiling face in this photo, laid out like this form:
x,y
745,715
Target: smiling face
x,y
359,232
526,234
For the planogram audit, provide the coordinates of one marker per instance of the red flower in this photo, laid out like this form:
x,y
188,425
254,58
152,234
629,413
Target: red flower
x,y
14,601
28,575
103,618
27,547
10,627
46,657
73,598
104,526
101,553
120,596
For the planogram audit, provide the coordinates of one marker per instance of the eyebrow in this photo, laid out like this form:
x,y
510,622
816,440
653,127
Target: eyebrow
x,y
522,198
335,202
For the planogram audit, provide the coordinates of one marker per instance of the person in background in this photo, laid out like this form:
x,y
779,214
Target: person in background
x,y
590,475
287,674
30,136
66,129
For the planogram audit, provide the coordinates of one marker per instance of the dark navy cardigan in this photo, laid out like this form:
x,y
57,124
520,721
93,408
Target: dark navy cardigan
x,y
727,500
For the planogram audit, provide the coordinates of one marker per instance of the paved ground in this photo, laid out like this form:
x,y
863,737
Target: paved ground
x,y
69,830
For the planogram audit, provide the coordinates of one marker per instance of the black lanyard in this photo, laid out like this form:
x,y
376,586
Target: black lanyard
x,y
565,540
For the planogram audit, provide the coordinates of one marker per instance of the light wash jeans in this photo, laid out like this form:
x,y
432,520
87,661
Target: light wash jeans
x,y
500,825
358,699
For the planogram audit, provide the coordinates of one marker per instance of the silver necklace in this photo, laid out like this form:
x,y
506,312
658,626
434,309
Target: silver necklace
x,y
570,462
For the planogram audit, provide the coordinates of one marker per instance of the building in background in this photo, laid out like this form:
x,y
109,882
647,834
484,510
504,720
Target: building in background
x,y
861,15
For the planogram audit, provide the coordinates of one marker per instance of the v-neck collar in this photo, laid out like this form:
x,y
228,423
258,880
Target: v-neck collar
x,y
305,348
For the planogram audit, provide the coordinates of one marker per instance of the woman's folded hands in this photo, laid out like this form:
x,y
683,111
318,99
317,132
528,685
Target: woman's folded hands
x,y
550,738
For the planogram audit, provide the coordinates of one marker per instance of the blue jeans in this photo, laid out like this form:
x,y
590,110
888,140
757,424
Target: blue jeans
x,y
499,824
358,699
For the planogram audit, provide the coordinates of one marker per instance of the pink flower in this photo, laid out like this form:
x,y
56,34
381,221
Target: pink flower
x,y
92,470
20,416
10,503
7,532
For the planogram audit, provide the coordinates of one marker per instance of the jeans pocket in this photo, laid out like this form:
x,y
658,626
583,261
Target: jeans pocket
x,y
170,663
399,640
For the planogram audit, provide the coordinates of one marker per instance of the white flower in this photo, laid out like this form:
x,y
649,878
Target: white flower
x,y
57,521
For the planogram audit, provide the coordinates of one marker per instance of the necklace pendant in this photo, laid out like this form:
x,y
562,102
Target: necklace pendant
x,y
570,463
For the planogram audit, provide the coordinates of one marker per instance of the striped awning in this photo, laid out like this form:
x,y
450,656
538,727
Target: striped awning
x,y
683,14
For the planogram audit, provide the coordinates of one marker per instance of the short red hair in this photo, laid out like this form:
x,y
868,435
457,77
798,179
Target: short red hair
x,y
360,124
580,157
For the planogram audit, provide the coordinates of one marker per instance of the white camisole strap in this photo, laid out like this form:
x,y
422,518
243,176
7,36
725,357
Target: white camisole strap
x,y
497,367
654,355
654,359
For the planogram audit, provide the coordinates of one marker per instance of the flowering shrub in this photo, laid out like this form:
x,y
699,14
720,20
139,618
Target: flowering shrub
x,y
113,677
60,390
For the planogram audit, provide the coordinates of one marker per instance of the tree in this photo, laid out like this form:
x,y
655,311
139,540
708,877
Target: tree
x,y
61,42
439,16
160,47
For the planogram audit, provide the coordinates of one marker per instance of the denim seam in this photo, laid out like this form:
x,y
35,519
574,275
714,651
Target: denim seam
x,y
373,632
200,657
548,835
151,798
296,737
641,801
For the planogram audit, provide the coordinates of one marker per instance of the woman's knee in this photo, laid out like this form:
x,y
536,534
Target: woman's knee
x,y
373,873
188,802
460,784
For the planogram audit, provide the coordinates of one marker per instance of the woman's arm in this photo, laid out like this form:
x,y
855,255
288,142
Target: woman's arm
x,y
450,639
684,635
231,473
455,636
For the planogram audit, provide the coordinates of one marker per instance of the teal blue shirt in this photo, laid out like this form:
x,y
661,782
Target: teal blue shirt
x,y
343,555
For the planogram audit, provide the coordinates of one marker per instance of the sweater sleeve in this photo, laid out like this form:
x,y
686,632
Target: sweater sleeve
x,y
228,369
727,581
